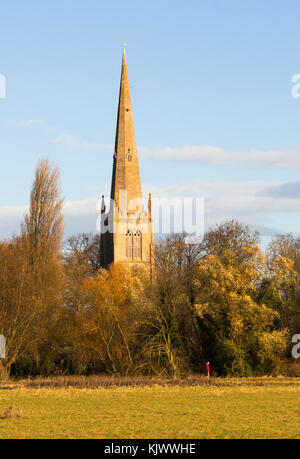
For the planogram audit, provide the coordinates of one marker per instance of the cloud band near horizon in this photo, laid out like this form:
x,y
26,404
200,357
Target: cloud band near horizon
x,y
206,154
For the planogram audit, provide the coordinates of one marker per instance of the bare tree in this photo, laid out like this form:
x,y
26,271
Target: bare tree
x,y
43,225
42,232
83,250
17,312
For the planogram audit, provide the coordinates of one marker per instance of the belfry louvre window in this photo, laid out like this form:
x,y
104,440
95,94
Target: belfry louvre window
x,y
134,245
137,245
129,244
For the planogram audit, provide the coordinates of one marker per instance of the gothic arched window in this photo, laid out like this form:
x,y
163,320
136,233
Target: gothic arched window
x,y
129,244
137,245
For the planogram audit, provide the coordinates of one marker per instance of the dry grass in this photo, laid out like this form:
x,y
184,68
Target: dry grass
x,y
10,413
106,381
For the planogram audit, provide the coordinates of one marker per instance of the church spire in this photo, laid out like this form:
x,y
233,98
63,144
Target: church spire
x,y
126,175
126,229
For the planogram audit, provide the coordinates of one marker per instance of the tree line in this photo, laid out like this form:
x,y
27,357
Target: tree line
x,y
224,300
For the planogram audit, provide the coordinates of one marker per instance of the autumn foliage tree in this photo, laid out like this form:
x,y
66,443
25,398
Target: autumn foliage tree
x,y
282,287
238,323
17,308
42,232
218,301
168,329
222,300
102,311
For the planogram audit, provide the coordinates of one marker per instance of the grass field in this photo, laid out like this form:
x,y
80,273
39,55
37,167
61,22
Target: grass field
x,y
237,411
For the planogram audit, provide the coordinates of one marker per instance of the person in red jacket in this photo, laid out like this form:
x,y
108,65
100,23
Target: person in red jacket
x,y
208,369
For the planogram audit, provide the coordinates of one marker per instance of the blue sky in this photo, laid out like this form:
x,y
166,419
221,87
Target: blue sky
x,y
211,92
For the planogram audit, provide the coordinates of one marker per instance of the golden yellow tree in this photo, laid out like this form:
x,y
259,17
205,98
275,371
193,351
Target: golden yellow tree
x,y
227,289
17,309
42,232
102,313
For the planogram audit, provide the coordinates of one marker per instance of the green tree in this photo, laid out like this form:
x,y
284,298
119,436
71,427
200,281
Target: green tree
x,y
227,280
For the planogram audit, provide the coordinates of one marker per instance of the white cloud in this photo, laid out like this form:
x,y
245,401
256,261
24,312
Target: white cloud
x,y
10,219
252,202
206,154
248,201
11,212
82,207
80,216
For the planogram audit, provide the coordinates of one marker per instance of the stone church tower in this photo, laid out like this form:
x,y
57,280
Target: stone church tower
x,y
126,229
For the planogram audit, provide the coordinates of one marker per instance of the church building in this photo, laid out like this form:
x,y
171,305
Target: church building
x,y
126,227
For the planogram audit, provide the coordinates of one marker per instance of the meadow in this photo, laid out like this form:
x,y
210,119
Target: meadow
x,y
241,408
